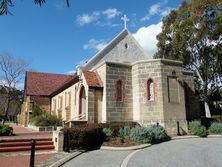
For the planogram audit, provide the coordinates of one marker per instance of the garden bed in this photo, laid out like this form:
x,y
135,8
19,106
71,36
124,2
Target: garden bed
x,y
118,142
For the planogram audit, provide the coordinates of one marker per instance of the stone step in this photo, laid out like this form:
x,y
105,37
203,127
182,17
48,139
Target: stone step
x,y
25,139
26,148
24,143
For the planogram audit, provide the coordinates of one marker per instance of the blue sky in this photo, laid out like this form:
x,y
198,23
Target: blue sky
x,y
54,38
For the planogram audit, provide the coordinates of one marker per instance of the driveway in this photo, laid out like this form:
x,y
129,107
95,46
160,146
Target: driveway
x,y
198,152
98,158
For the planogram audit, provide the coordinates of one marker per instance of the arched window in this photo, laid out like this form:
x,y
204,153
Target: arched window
x,y
82,101
150,90
119,90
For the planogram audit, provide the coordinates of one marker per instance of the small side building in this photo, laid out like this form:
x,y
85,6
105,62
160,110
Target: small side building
x,y
38,89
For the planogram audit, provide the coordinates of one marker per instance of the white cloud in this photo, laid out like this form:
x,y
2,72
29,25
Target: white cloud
x,y
165,11
101,18
71,72
157,9
146,36
95,44
19,85
154,9
87,18
111,13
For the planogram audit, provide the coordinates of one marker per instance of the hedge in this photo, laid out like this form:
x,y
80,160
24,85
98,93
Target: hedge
x,y
86,137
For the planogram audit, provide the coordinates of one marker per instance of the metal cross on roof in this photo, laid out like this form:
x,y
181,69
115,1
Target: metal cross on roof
x,y
125,19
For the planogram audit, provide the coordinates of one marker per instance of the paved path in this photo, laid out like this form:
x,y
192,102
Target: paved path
x,y
199,152
23,160
24,132
98,158
18,129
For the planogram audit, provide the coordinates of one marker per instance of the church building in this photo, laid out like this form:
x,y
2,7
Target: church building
x,y
120,84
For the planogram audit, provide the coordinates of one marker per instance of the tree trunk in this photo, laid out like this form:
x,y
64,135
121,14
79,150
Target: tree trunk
x,y
206,106
6,111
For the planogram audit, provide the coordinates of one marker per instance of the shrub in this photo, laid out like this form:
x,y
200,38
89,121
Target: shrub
x,y
142,134
160,134
152,134
124,132
88,137
5,130
108,132
36,111
46,120
195,128
216,128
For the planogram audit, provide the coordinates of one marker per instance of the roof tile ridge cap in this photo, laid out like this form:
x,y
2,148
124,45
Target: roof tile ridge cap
x,y
47,73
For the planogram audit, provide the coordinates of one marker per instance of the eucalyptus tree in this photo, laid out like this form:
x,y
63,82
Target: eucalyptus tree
x,y
193,34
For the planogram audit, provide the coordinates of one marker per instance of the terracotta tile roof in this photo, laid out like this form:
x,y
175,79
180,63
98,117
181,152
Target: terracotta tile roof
x,y
45,84
92,79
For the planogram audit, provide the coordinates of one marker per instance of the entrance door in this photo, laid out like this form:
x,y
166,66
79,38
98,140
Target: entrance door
x,y
82,101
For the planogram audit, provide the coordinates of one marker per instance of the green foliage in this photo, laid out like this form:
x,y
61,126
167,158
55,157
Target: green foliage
x,y
46,120
142,134
124,132
215,128
192,34
108,132
152,134
43,118
160,134
5,130
195,128
36,111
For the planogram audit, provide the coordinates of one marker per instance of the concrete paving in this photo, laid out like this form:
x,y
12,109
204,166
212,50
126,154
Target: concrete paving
x,y
199,152
193,152
97,158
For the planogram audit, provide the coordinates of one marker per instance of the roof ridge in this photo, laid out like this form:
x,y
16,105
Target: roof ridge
x,y
47,73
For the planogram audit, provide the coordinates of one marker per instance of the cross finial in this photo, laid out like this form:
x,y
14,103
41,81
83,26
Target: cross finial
x,y
125,19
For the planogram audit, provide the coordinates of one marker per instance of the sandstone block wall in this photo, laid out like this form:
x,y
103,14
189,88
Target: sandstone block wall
x,y
173,91
192,102
118,111
95,106
144,109
101,71
124,49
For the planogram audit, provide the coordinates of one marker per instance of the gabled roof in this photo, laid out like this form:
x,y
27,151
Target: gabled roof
x,y
92,79
102,53
45,84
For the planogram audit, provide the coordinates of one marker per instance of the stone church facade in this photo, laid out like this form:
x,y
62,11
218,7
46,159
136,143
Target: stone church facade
x,y
120,84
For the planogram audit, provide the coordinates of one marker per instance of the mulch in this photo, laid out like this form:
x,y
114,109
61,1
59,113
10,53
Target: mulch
x,y
118,142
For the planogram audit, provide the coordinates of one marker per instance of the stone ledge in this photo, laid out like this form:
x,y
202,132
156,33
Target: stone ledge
x,y
214,136
66,159
192,136
125,148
